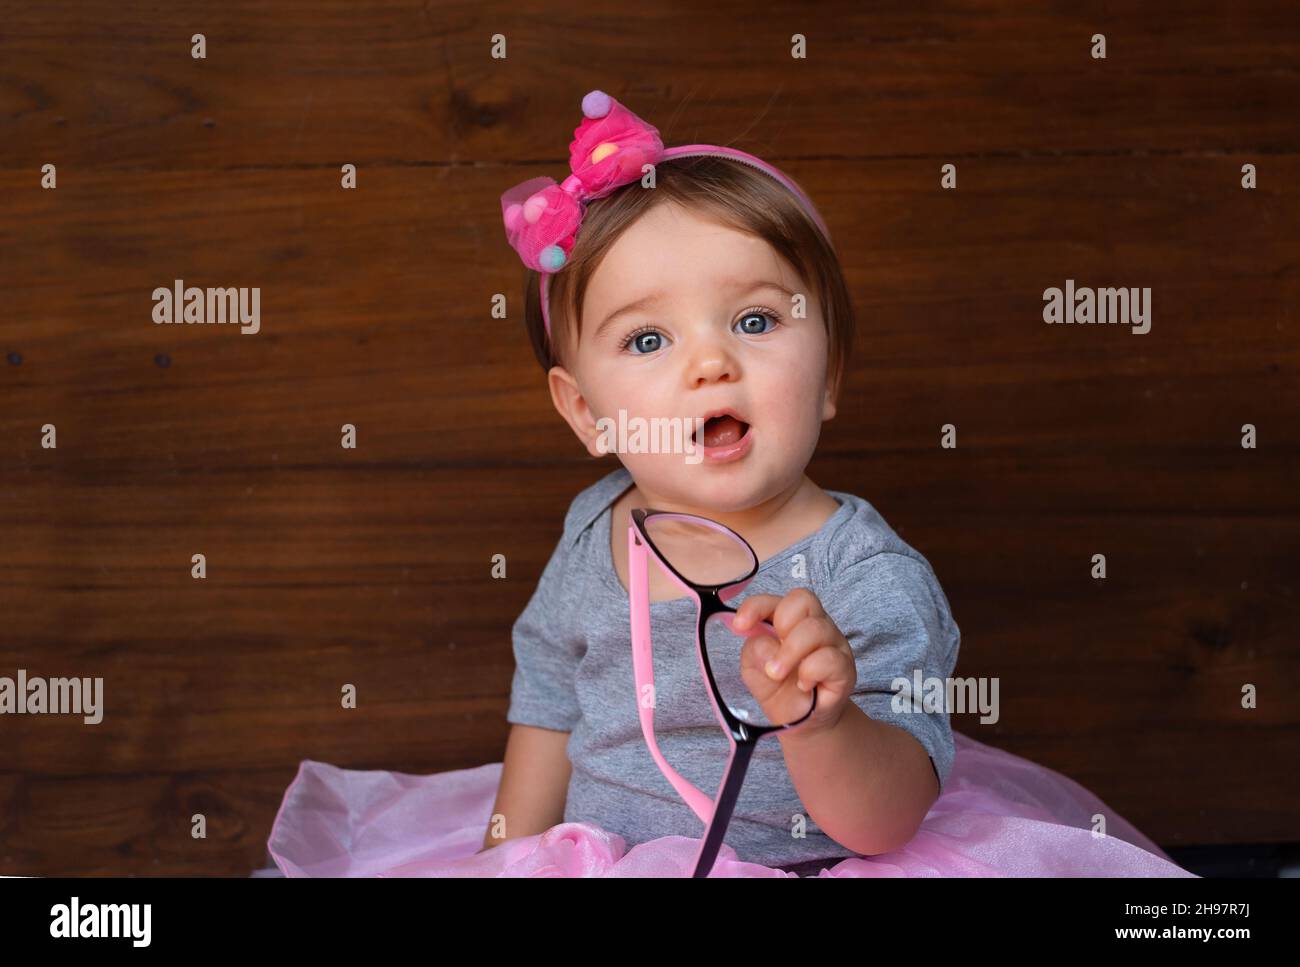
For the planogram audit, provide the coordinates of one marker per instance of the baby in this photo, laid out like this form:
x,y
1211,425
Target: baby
x,y
702,281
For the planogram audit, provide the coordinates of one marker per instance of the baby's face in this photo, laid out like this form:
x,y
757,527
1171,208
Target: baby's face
x,y
719,334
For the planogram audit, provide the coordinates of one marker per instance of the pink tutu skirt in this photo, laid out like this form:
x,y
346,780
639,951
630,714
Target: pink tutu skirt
x,y
1000,815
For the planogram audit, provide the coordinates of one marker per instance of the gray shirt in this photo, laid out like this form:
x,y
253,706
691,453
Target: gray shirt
x,y
573,673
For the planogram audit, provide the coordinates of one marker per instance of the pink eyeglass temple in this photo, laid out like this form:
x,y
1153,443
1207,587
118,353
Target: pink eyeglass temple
x,y
643,666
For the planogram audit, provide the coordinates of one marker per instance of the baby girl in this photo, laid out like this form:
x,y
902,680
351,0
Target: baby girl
x,y
700,282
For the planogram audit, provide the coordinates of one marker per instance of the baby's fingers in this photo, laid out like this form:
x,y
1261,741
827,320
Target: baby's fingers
x,y
757,651
755,608
825,665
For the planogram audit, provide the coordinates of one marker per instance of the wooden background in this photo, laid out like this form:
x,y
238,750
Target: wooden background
x,y
371,566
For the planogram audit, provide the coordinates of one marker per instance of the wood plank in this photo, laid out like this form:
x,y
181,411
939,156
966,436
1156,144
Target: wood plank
x,y
82,320
414,83
1093,675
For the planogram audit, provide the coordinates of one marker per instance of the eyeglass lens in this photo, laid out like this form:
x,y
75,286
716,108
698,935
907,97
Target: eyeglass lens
x,y
706,555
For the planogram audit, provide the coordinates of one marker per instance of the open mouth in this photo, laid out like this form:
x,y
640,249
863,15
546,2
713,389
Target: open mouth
x,y
723,430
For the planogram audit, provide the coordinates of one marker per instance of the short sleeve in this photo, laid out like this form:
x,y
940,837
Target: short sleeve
x,y
896,619
547,653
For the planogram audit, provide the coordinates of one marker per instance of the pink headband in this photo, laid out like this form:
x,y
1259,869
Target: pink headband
x,y
608,150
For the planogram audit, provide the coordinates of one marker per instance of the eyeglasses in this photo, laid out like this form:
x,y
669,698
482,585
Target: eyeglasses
x,y
713,564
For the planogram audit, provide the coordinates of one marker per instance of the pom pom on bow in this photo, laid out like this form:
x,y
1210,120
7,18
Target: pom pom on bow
x,y
610,147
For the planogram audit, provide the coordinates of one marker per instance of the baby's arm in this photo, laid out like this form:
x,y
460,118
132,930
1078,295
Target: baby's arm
x,y
534,784
870,771
867,784
544,707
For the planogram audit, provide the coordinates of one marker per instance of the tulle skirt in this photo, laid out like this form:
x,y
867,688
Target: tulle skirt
x,y
1000,815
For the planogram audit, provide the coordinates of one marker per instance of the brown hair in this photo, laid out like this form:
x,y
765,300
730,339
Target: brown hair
x,y
737,195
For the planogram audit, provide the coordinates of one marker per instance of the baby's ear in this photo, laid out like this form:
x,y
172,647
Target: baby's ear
x,y
834,382
828,406
572,405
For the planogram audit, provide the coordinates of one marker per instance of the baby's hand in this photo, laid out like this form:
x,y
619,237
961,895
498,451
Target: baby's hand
x,y
812,652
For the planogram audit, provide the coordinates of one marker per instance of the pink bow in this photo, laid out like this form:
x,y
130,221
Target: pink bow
x,y
608,149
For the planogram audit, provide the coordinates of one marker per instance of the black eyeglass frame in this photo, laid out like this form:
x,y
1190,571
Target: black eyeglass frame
x,y
710,600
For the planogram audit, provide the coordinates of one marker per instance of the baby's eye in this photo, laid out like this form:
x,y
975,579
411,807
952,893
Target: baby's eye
x,y
645,339
758,314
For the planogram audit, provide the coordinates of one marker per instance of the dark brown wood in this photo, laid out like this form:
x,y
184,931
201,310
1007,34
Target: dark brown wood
x,y
371,566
